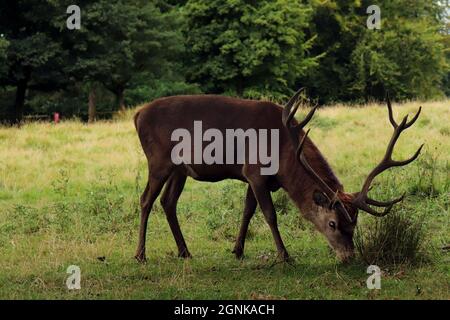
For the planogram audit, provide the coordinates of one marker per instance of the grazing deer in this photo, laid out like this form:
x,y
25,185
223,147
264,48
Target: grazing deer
x,y
303,172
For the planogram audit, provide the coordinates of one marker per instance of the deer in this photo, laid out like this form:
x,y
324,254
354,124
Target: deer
x,y
303,173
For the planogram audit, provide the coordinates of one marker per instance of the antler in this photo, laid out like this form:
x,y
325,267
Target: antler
x,y
294,132
362,201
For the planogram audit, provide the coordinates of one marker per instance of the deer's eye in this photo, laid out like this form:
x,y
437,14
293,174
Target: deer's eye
x,y
332,225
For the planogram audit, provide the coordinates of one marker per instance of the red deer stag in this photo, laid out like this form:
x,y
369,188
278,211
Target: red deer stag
x,y
303,172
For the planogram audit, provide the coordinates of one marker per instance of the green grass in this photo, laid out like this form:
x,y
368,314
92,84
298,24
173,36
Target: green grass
x,y
69,196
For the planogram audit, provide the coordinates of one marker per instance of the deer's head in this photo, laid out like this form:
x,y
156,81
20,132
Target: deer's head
x,y
335,212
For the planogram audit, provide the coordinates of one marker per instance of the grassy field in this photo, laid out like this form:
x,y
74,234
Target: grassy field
x,y
69,196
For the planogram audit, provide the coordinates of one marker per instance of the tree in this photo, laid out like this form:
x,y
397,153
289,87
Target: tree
x,y
120,40
3,56
246,47
336,26
446,32
406,56
34,56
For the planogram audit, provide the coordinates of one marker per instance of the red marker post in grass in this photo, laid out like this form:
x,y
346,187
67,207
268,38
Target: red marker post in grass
x,y
56,117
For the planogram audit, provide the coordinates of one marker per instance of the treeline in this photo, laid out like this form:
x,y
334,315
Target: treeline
x,y
129,52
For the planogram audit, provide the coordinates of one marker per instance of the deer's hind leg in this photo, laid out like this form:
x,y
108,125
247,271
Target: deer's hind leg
x,y
156,180
249,211
169,200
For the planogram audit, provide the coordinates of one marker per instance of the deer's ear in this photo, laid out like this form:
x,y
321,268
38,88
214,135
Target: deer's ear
x,y
320,199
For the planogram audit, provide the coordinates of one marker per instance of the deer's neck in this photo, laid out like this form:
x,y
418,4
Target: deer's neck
x,y
296,180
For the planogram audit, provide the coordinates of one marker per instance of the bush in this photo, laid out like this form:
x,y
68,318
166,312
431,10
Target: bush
x,y
392,240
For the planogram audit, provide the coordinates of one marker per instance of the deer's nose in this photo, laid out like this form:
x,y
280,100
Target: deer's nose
x,y
346,256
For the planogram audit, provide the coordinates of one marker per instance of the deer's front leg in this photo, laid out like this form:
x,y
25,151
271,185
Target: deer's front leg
x,y
262,194
249,211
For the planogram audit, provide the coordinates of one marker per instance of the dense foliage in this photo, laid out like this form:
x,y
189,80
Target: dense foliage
x,y
128,52
247,47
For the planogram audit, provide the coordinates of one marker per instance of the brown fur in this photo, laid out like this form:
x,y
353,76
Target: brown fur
x,y
156,121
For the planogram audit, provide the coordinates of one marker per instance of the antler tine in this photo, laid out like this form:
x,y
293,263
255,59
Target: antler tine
x,y
300,147
308,117
293,112
287,108
408,161
391,116
364,206
288,115
409,124
383,203
361,200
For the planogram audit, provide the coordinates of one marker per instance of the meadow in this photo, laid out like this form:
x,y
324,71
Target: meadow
x,y
69,195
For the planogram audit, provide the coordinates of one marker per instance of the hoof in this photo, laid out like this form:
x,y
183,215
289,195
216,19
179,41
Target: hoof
x,y
238,253
184,254
141,258
284,257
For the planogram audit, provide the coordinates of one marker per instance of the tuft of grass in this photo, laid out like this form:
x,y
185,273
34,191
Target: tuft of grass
x,y
396,239
427,178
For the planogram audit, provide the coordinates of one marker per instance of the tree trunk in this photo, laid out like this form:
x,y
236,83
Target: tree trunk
x,y
16,111
92,110
120,97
